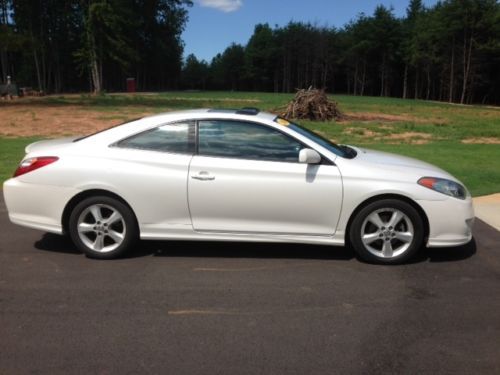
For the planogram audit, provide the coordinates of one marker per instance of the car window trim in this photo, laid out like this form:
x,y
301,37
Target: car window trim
x,y
324,159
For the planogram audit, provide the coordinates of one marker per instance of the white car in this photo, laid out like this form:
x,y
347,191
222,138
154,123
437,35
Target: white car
x,y
239,175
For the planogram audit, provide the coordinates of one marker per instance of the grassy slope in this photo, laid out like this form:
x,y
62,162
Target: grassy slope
x,y
443,126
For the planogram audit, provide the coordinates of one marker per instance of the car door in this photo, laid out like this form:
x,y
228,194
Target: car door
x,y
150,170
246,178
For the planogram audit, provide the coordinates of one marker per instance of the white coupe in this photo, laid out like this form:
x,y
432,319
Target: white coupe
x,y
239,175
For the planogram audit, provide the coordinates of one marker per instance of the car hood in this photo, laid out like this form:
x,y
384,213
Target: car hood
x,y
48,144
388,161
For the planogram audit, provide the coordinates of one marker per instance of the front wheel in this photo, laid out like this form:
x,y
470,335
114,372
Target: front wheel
x,y
388,231
103,227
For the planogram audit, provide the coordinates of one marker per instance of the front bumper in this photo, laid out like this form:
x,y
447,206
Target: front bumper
x,y
36,206
450,221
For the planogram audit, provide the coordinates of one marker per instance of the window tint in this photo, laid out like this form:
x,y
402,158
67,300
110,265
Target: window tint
x,y
246,141
174,138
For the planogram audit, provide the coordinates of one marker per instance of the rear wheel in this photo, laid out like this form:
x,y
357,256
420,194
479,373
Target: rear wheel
x,y
103,227
388,231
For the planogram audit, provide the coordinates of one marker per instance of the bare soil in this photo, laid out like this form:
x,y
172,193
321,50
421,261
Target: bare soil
x,y
38,118
410,137
384,117
482,140
52,121
406,137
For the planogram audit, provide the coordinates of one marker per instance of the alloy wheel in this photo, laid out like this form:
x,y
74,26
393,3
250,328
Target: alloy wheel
x,y
101,228
387,233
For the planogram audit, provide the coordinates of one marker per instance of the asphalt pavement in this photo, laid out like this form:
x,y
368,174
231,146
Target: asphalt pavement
x,y
234,308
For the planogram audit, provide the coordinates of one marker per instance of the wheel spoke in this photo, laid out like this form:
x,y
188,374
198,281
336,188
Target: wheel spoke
x,y
96,213
115,236
370,237
395,218
404,236
113,218
375,219
387,249
99,243
85,227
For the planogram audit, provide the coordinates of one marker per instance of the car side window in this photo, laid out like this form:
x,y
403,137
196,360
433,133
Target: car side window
x,y
176,138
245,140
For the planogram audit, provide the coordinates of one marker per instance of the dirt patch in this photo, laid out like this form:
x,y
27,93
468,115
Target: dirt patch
x,y
236,100
370,116
409,137
74,114
54,121
361,132
406,137
383,117
180,98
482,140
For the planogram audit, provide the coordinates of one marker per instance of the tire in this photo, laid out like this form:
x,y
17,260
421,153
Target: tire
x,y
103,227
387,231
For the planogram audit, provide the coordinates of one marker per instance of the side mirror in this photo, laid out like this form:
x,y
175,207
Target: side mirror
x,y
309,156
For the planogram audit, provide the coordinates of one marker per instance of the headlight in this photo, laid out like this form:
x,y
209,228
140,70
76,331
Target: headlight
x,y
442,185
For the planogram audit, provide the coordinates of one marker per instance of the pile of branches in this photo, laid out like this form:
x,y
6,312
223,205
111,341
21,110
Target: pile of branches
x,y
312,104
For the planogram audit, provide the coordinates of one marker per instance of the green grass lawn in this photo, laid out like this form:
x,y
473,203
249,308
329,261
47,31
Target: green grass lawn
x,y
11,153
477,166
434,132
442,121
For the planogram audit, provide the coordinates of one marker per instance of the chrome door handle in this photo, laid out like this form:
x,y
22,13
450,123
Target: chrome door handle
x,y
203,176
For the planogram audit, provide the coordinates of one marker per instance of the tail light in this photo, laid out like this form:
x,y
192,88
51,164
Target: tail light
x,y
31,164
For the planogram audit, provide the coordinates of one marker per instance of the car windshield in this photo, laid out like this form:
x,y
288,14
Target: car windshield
x,y
340,150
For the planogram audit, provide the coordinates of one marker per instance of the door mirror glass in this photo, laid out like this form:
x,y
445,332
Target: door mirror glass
x,y
309,156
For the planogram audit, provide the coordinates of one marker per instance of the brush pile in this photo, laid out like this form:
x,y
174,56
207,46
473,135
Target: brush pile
x,y
312,104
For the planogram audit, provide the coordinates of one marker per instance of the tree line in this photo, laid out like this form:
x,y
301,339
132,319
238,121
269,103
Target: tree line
x,y
80,45
447,52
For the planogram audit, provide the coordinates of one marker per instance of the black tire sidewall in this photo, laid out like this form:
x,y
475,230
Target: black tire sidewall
x,y
408,210
131,234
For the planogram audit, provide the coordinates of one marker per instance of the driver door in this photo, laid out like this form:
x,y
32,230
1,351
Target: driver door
x,y
246,178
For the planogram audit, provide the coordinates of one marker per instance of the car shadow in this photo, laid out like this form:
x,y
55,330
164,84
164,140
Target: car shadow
x,y
57,244
209,249
450,254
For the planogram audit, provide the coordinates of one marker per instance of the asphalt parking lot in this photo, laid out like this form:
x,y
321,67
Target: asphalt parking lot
x,y
232,308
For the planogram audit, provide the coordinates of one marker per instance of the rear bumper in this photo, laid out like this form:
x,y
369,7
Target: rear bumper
x,y
450,221
36,206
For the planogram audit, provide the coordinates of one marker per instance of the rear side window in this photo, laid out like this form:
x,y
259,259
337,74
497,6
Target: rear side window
x,y
245,140
178,138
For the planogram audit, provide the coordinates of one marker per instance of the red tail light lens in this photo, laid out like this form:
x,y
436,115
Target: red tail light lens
x,y
31,164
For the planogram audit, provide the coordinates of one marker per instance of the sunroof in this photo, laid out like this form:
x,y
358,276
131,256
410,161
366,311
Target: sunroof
x,y
248,111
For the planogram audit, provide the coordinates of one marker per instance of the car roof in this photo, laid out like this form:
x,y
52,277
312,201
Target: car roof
x,y
145,123
216,112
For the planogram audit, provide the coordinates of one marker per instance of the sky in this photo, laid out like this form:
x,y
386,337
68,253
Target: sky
x,y
215,24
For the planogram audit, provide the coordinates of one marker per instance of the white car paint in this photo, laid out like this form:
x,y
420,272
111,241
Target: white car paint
x,y
276,198
246,200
